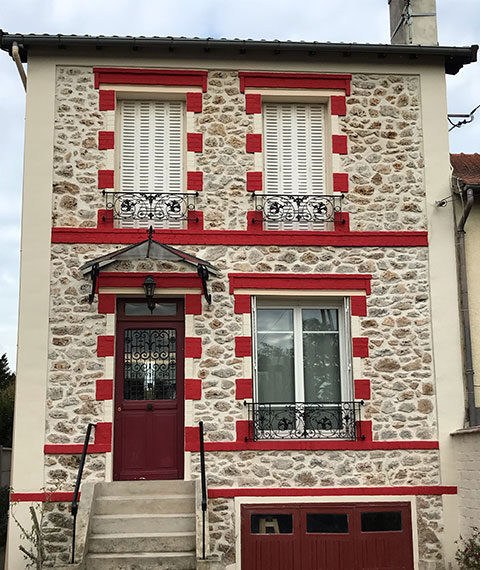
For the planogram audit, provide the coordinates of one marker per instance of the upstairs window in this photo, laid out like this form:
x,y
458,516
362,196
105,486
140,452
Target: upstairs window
x,y
294,155
151,146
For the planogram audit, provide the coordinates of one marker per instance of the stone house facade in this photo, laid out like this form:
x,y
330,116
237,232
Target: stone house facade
x,y
317,349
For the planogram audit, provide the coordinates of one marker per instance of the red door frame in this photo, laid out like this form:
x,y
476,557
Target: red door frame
x,y
299,548
121,406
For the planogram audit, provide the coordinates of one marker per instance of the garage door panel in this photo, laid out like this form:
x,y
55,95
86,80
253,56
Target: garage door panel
x,y
354,536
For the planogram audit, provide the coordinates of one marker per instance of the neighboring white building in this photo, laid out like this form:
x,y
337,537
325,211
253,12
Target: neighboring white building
x,y
321,347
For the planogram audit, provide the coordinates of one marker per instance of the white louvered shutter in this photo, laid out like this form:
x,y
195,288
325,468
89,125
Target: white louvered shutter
x,y
151,150
294,153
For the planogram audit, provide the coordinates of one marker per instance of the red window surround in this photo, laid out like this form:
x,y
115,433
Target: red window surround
x,y
265,281
126,76
261,79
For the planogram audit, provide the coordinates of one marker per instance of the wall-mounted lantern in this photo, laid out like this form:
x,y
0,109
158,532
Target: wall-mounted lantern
x,y
149,288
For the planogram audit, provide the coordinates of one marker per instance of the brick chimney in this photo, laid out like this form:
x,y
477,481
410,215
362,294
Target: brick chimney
x,y
413,22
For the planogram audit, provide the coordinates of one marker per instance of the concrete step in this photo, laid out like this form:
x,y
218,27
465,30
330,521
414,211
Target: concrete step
x,y
146,488
113,524
143,561
143,542
144,504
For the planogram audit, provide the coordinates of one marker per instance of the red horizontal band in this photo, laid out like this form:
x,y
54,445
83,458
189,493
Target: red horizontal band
x,y
140,76
43,497
314,445
332,491
233,237
319,281
294,80
73,449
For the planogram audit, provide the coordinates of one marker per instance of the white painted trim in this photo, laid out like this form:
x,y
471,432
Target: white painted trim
x,y
139,292
317,293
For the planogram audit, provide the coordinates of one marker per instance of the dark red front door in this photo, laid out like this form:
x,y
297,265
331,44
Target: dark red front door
x,y
149,411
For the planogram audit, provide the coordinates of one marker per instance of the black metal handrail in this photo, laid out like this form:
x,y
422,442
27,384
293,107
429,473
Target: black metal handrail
x,y
77,487
305,420
316,208
204,486
150,206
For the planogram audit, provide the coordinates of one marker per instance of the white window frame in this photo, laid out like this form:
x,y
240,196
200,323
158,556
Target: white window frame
x,y
342,304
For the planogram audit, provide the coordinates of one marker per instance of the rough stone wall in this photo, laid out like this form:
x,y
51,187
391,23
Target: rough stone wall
x,y
386,193
385,159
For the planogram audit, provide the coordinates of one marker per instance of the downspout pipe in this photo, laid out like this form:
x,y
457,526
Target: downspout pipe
x,y
18,62
473,411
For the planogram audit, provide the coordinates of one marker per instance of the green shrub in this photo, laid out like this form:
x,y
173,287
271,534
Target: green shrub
x,y
4,503
468,551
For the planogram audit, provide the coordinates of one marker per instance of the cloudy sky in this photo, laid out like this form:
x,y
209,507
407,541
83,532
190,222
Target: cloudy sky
x,y
364,21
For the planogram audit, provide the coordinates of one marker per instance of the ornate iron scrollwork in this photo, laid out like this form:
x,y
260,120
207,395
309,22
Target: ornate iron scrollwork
x,y
150,206
299,420
298,207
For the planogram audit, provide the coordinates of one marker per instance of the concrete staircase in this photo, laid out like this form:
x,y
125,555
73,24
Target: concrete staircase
x,y
141,525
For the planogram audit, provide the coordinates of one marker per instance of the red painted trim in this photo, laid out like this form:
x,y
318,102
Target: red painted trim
x,y
105,219
339,144
194,221
244,388
254,181
232,237
365,431
74,449
331,491
194,102
103,433
251,79
193,389
192,438
243,346
254,221
193,304
163,280
106,178
312,445
320,281
195,181
105,345
104,389
338,105
106,140
195,142
106,303
106,100
254,142
362,389
360,347
342,222
42,497
340,182
243,304
193,347
358,305
253,103
138,76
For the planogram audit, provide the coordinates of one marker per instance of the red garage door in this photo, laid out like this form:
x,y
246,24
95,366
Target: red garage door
x,y
327,537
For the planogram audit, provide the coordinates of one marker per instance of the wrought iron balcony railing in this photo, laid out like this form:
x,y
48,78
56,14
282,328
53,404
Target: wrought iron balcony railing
x,y
150,206
317,208
299,420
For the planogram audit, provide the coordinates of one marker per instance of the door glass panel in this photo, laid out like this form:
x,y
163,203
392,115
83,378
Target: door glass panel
x,y
382,521
150,371
327,522
138,309
321,355
271,524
